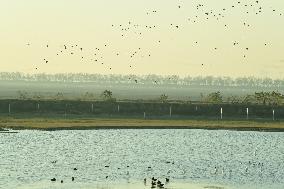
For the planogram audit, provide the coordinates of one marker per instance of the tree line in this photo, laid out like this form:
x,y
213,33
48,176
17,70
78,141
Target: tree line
x,y
261,105
261,98
152,79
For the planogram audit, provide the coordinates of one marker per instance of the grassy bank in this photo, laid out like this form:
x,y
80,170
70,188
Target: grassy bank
x,y
119,123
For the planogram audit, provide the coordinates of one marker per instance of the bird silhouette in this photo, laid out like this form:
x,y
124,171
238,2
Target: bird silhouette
x,y
150,32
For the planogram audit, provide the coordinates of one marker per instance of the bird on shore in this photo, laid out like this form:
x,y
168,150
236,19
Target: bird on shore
x,y
73,178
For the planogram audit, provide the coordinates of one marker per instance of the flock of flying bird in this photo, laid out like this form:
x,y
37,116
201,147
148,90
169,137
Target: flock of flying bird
x,y
131,28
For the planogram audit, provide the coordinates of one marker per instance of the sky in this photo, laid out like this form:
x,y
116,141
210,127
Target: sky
x,y
164,37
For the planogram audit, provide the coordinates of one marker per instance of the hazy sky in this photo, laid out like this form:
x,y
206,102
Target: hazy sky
x,y
186,50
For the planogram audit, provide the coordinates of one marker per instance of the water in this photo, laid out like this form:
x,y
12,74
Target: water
x,y
196,158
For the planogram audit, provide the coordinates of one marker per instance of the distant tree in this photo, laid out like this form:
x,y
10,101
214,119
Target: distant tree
x,y
107,95
163,98
249,99
201,97
59,96
23,95
261,97
276,98
215,98
188,100
234,99
37,96
88,96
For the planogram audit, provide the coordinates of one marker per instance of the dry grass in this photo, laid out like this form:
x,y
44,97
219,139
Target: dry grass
x,y
51,123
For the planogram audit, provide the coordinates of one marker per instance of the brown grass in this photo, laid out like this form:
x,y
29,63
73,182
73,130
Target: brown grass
x,y
51,123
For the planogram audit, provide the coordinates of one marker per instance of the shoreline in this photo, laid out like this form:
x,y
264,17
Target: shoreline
x,y
54,124
123,185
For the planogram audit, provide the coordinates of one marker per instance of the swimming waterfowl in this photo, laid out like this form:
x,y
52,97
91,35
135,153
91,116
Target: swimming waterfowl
x,y
53,179
161,185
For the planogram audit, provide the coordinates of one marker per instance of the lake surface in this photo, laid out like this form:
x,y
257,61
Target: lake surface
x,y
190,158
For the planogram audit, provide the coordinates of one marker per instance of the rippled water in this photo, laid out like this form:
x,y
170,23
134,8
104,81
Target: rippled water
x,y
229,159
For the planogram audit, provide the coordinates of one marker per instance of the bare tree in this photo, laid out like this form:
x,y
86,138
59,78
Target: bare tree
x,y
107,95
163,98
215,97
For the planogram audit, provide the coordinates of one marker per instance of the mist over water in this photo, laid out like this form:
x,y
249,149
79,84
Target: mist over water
x,y
231,159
